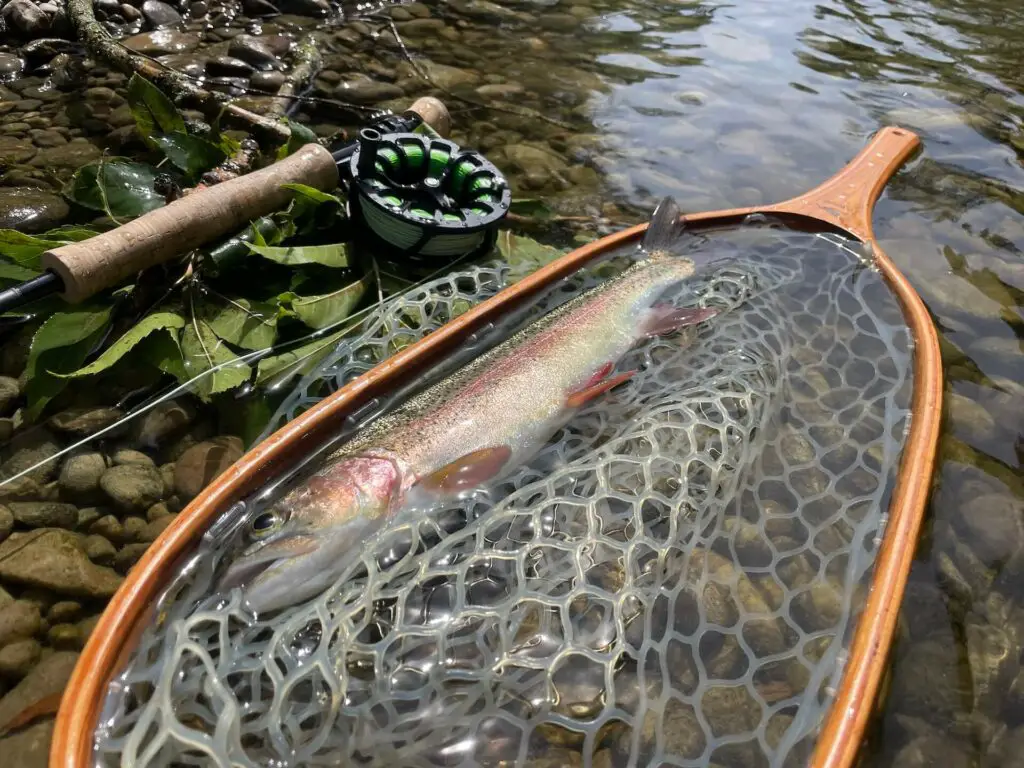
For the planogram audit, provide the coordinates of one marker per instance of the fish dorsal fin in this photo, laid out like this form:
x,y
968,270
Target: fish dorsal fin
x,y
666,226
468,471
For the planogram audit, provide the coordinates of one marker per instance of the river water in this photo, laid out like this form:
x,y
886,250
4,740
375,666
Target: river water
x,y
736,104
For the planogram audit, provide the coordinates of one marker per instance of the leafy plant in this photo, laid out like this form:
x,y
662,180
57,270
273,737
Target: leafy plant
x,y
256,309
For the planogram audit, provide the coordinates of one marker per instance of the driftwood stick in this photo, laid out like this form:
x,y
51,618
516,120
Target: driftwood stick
x,y
100,43
305,65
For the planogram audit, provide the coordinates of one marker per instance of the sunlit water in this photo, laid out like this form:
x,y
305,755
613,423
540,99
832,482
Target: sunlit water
x,y
728,104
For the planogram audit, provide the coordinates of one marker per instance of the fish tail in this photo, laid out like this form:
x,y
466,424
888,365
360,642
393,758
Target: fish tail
x,y
665,228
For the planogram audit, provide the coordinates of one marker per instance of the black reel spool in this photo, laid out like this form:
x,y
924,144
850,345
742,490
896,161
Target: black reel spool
x,y
423,199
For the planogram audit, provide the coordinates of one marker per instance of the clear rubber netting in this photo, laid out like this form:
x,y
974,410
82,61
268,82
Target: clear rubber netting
x,y
673,580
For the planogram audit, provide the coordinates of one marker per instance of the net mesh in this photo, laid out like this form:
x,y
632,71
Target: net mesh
x,y
673,580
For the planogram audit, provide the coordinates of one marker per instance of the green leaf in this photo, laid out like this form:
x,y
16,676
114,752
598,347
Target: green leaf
x,y
130,339
208,357
328,308
245,323
16,272
313,193
60,346
524,254
163,351
329,255
296,361
69,233
116,186
191,154
300,137
154,113
24,250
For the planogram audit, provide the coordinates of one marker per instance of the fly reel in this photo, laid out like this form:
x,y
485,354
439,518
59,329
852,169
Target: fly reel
x,y
423,198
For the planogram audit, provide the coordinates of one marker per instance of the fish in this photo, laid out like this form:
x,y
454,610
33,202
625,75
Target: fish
x,y
472,428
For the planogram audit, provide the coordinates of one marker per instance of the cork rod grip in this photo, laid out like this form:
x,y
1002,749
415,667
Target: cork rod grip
x,y
91,265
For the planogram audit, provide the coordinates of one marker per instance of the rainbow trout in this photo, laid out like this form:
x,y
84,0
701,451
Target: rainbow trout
x,y
471,428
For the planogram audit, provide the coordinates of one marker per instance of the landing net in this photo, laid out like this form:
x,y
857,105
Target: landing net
x,y
673,580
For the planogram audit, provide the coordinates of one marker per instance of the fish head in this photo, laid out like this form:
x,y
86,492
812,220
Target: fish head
x,y
298,547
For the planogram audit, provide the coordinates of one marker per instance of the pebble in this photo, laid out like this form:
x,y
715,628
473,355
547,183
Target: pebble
x,y
133,526
6,522
28,449
18,658
128,556
47,679
64,611
80,475
29,209
99,550
15,150
109,527
25,17
162,41
83,422
163,421
228,66
157,511
64,636
10,66
10,391
44,514
267,81
255,52
201,463
70,156
57,561
311,8
366,91
160,14
133,486
19,620
153,529
88,515
129,456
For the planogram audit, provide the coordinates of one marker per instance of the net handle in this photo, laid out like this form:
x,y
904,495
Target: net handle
x,y
848,199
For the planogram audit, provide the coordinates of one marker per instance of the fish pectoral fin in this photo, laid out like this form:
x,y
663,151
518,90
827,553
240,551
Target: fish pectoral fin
x,y
664,318
468,471
589,391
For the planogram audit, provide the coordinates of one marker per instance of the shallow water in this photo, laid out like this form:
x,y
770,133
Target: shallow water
x,y
737,104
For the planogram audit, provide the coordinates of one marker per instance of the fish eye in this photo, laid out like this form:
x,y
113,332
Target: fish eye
x,y
265,523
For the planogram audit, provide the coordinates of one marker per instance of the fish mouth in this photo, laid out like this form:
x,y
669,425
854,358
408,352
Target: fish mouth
x,y
247,569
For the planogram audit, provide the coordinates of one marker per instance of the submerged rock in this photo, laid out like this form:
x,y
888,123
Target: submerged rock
x,y
201,463
30,747
16,659
27,450
10,391
80,475
160,14
44,514
82,422
30,210
133,487
55,559
47,679
163,421
19,620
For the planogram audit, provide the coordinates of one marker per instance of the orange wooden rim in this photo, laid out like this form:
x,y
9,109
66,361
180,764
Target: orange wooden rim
x,y
844,201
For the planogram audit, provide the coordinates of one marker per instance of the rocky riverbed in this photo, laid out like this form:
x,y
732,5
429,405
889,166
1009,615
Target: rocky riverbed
x,y
717,106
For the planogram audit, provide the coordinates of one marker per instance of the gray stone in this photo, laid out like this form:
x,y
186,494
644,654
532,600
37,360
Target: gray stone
x,y
442,75
63,611
19,620
153,529
160,14
28,747
15,150
80,475
228,66
267,81
6,522
83,422
10,66
100,550
128,556
133,527
25,17
366,91
17,658
991,526
10,391
88,515
109,527
157,511
29,209
199,465
128,456
254,51
71,156
162,42
55,560
44,514
129,12
162,421
46,680
28,449
133,487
